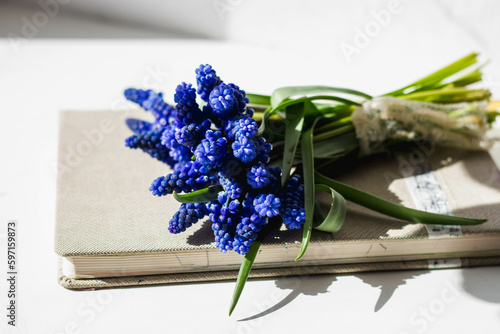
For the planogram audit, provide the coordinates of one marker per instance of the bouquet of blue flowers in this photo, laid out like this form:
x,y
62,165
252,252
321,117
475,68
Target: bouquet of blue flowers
x,y
247,161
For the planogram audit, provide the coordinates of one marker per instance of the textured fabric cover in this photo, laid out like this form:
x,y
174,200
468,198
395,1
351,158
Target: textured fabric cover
x,y
104,205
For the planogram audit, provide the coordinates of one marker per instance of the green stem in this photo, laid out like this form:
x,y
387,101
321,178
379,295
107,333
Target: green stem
x,y
439,75
333,133
246,266
258,115
334,124
445,95
467,110
309,194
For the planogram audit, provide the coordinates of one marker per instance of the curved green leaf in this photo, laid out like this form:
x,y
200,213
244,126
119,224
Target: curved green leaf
x,y
199,196
307,149
283,93
270,111
315,97
294,121
265,117
246,266
259,99
336,215
391,209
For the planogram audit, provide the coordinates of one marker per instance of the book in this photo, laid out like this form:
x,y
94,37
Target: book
x,y
111,231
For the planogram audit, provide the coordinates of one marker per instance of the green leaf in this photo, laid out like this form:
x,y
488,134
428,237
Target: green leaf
x,y
270,111
318,217
391,209
307,149
438,76
265,117
246,266
199,196
294,121
315,97
451,95
341,145
469,78
340,111
336,215
492,115
283,93
328,135
334,123
263,100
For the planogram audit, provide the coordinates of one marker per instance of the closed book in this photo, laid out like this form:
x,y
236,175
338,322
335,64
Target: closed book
x,y
111,231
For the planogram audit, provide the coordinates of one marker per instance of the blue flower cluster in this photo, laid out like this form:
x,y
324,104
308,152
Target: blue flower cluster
x,y
186,178
216,144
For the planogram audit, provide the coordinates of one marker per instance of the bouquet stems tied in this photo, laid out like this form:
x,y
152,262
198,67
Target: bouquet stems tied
x,y
245,159
317,127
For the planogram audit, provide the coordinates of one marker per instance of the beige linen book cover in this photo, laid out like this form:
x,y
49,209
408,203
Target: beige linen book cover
x,y
110,230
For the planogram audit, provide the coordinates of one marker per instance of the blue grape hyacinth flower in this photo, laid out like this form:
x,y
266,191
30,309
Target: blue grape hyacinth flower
x,y
213,141
206,79
267,205
258,176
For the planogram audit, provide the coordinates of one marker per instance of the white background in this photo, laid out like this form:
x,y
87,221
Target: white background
x,y
89,51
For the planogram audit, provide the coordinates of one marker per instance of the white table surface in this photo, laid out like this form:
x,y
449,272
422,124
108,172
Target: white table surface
x,y
44,76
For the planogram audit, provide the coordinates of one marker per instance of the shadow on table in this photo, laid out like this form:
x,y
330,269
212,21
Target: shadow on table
x,y
480,283
304,284
386,282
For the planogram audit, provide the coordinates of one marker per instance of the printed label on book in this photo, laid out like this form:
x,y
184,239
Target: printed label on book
x,y
428,196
